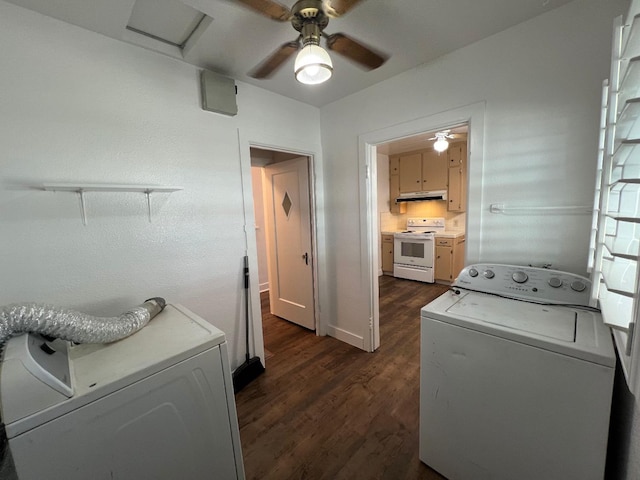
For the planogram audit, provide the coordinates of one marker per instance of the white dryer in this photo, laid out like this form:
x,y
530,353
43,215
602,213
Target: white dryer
x,y
516,377
157,405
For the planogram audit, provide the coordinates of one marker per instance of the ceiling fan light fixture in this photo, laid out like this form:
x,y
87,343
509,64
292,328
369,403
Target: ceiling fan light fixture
x,y
313,65
440,145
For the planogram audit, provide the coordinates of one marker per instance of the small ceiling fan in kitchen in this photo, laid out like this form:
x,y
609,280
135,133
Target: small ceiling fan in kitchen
x,y
310,17
441,143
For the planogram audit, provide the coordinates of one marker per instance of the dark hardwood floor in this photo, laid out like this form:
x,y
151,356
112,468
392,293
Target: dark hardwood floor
x,y
326,410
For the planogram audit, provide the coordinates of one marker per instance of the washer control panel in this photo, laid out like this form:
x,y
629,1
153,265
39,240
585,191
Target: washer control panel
x,y
526,283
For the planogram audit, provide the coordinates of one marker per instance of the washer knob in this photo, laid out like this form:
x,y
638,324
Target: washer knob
x,y
578,285
473,272
520,276
488,274
555,282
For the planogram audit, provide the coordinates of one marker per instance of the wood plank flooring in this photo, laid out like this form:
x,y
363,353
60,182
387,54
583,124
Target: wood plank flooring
x,y
326,410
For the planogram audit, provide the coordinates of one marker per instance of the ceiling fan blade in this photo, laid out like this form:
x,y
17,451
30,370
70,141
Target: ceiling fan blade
x,y
336,8
269,8
355,51
277,58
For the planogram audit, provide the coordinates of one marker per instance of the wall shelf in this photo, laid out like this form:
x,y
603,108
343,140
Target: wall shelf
x,y
82,188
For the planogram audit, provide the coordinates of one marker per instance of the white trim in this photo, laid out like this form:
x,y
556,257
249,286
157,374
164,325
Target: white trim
x,y
264,287
473,115
257,139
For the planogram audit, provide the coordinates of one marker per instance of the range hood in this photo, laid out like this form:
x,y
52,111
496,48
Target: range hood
x,y
422,196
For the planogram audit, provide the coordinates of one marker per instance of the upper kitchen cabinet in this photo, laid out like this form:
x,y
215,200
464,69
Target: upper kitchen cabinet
x,y
434,171
457,191
421,171
394,186
410,172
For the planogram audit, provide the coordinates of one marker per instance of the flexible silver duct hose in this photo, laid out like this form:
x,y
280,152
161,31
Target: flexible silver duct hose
x,y
74,326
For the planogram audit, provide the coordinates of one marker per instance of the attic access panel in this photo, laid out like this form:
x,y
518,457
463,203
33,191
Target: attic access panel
x,y
168,21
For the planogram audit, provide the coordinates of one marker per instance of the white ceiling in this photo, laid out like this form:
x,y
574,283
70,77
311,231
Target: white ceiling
x,y
412,32
422,141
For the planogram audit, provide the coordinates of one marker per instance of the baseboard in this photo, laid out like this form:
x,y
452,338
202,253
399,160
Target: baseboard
x,y
345,336
264,287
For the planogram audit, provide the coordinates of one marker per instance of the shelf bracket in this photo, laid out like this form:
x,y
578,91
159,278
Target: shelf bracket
x,y
83,207
148,194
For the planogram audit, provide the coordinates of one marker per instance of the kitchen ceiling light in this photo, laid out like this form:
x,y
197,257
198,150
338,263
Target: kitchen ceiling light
x,y
313,65
440,145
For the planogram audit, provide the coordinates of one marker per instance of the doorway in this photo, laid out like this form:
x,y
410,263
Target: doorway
x,y
282,199
473,116
405,168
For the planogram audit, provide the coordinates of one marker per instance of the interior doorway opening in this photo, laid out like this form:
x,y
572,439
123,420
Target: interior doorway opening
x,y
471,115
283,214
432,179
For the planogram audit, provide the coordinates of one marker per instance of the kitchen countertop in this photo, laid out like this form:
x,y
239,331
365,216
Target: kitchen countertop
x,y
450,234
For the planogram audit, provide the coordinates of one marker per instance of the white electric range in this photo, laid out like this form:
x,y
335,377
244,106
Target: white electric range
x,y
414,249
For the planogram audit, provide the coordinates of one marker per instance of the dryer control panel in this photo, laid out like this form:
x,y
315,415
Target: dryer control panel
x,y
527,283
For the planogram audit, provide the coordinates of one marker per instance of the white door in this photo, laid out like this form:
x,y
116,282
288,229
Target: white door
x,y
288,225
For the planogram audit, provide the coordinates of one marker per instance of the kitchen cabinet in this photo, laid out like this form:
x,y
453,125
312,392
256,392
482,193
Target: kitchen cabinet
x,y
434,171
457,173
410,172
449,258
387,254
394,186
394,165
421,171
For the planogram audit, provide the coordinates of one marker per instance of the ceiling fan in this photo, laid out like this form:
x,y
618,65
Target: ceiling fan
x,y
310,18
441,143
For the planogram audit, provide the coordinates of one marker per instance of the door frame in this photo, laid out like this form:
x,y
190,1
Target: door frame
x,y
473,115
286,144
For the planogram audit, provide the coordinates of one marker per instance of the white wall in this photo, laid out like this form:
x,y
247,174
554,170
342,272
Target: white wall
x,y
541,84
80,107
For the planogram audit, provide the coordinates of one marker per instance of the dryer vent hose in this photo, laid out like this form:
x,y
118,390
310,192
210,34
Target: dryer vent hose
x,y
74,326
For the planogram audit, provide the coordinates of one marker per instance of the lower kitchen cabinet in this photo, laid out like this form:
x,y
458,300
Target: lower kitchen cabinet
x,y
387,254
449,259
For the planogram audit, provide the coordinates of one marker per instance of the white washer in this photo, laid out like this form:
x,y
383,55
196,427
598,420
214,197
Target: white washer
x,y
511,389
157,405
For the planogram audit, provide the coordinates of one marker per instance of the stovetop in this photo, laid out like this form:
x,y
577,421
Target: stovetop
x,y
415,234
423,226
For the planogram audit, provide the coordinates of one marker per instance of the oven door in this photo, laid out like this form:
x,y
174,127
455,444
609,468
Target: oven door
x,y
413,251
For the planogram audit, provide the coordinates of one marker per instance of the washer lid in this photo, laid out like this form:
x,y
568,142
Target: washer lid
x,y
548,321
561,329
